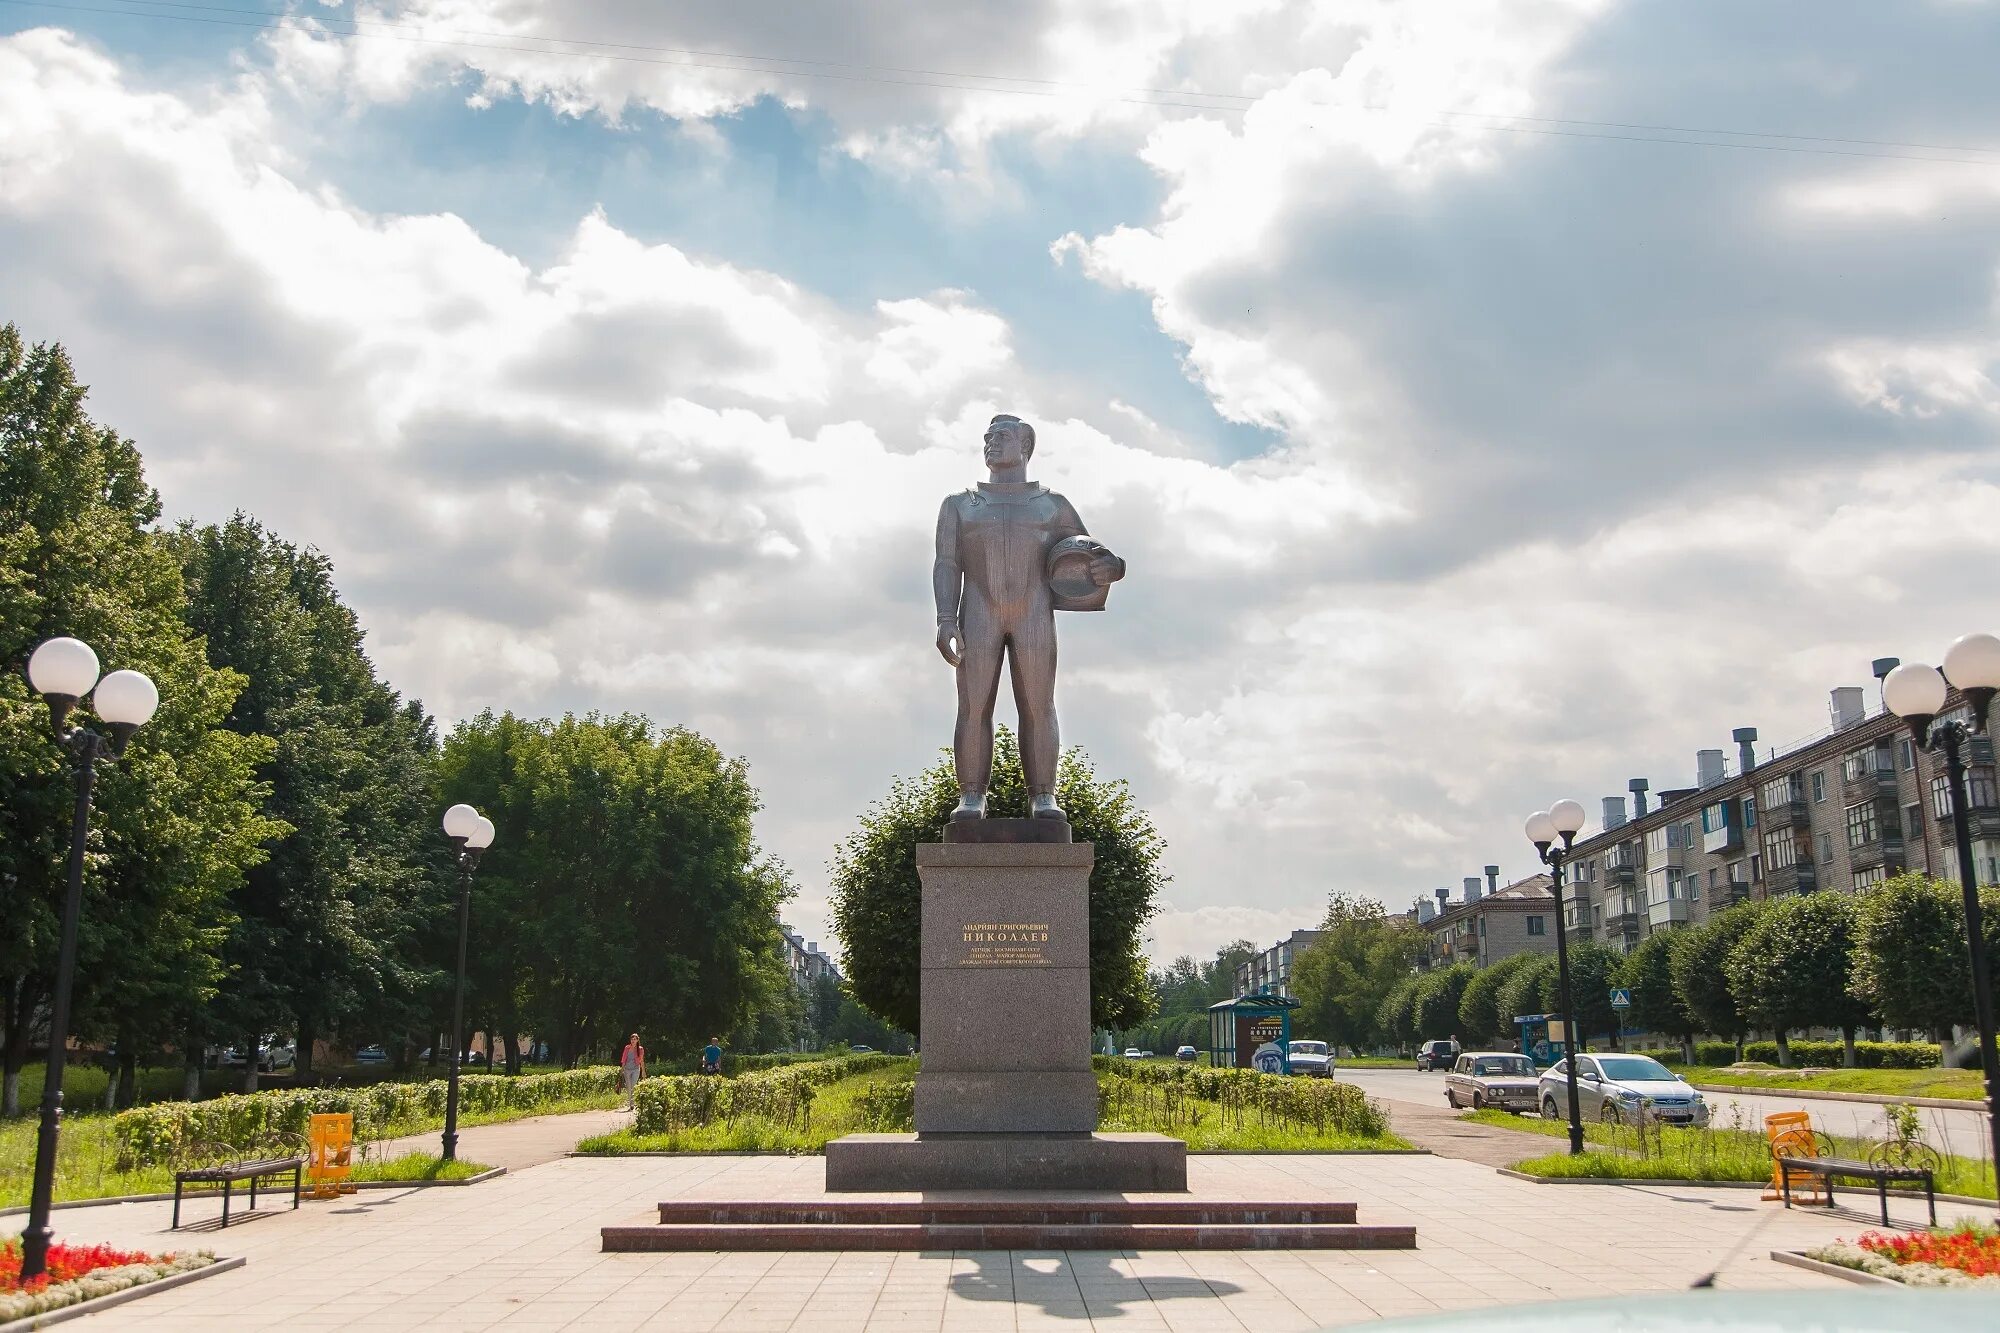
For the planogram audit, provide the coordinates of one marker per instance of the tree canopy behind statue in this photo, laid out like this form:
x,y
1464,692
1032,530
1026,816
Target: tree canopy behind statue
x,y
877,899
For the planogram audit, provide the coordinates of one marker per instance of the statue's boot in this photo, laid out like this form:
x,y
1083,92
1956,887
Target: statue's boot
x,y
971,805
1043,806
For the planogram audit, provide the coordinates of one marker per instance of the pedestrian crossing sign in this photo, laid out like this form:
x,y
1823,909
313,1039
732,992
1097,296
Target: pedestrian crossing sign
x,y
1621,998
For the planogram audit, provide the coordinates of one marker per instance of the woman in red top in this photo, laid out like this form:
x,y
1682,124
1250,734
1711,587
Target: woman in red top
x,y
631,1068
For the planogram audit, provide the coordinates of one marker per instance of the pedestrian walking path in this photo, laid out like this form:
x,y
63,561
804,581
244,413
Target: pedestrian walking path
x,y
514,1144
1439,1129
524,1251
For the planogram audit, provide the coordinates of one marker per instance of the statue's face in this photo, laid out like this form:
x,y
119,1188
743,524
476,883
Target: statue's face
x,y
1006,444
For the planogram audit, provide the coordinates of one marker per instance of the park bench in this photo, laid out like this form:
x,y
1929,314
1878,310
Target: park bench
x,y
230,1174
1848,1168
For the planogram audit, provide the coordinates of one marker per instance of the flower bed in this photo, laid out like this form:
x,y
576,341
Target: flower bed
x,y
1965,1255
80,1273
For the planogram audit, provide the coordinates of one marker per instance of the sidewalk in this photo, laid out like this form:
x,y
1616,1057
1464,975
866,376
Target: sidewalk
x,y
514,1144
1439,1129
524,1251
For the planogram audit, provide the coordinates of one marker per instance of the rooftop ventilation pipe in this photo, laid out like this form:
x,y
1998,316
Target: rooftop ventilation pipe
x,y
1638,787
1708,769
1746,748
1614,812
1493,879
1472,888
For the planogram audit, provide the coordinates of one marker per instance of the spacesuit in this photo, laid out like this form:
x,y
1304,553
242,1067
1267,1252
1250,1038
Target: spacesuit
x,y
992,589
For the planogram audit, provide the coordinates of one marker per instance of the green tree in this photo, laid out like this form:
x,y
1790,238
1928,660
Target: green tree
x,y
625,883
1396,1019
1437,1000
877,897
1593,971
1910,961
1790,970
176,822
330,930
1698,961
1521,992
1340,979
1479,1016
1656,1005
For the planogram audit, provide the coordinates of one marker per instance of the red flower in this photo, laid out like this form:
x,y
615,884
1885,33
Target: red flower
x,y
66,1263
1968,1248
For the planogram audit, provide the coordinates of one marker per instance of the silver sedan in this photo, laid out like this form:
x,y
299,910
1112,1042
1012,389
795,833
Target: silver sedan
x,y
1623,1090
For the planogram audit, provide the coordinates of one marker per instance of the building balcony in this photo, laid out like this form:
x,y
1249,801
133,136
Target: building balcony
x,y
1885,851
1867,783
1792,814
1732,893
1672,912
1802,877
1672,857
1623,915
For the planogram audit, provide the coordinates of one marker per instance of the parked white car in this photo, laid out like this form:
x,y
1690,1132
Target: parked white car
x,y
1310,1057
1495,1080
1622,1090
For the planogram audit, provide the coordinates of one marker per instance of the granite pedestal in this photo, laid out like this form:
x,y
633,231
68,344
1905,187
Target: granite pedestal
x,y
1006,1098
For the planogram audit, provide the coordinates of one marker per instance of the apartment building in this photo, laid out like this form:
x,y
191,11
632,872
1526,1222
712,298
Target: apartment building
x,y
1856,804
803,960
1490,922
1272,969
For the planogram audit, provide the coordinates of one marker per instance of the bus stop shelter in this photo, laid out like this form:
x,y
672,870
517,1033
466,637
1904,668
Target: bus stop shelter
x,y
1236,1028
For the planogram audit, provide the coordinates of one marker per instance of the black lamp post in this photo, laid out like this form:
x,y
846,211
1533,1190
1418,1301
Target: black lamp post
x,y
1563,820
65,672
1915,693
470,833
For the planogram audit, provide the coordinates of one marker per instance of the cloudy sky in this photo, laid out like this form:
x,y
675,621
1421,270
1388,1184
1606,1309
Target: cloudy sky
x,y
1494,399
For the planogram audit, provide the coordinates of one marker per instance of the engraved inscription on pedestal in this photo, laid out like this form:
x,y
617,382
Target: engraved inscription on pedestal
x,y
1004,944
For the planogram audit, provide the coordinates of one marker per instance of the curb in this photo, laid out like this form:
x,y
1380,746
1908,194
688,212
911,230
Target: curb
x,y
304,1193
133,1293
1811,1265
1192,1152
1512,1174
1871,1098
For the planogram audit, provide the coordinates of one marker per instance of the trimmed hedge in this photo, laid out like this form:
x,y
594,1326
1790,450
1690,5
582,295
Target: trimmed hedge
x,y
1867,1054
1318,1104
1715,1053
783,1095
180,1133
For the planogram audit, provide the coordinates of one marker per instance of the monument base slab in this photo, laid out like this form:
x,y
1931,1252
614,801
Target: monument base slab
x,y
895,1163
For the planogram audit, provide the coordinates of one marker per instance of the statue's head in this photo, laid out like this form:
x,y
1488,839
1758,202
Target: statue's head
x,y
1010,441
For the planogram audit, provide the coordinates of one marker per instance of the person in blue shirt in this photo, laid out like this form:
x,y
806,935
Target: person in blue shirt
x,y
711,1056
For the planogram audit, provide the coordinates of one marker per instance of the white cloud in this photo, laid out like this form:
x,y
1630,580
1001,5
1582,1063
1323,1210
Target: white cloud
x,y
1584,456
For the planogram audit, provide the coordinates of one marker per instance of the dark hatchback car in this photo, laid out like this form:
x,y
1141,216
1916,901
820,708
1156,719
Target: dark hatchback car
x,y
1435,1055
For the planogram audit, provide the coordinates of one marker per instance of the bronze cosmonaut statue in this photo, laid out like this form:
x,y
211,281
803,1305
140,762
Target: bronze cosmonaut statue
x,y
1010,554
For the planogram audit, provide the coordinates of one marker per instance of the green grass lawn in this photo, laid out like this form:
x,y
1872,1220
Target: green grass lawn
x,y
836,1110
1956,1084
1715,1153
87,1167
1373,1062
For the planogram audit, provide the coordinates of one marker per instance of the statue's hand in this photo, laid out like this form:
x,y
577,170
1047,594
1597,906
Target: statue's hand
x,y
949,641
1106,569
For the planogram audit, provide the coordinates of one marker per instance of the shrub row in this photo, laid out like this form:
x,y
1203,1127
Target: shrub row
x,y
179,1133
889,1108
1867,1054
783,1095
1318,1104
738,1064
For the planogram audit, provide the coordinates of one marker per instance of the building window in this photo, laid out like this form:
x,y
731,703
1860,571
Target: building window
x,y
1536,926
1783,791
1749,812
1980,788
1818,785
1909,754
1826,848
1861,826
1913,820
1858,765
1482,927
1780,849
1874,875
1687,834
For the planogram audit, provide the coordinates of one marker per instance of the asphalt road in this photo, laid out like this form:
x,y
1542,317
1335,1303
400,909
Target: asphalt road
x,y
1962,1132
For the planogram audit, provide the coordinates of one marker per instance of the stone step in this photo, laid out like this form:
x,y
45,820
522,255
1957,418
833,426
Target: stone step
x,y
1005,1236
1036,1212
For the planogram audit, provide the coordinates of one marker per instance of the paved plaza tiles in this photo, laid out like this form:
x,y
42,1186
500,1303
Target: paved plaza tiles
x,y
521,1252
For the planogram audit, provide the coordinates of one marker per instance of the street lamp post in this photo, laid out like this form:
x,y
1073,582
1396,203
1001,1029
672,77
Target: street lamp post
x,y
470,834
1563,820
65,672
1915,693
